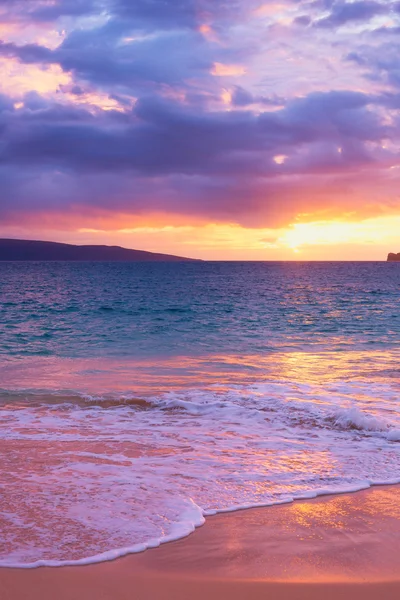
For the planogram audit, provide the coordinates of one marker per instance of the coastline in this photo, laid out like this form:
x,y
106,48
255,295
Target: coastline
x,y
346,544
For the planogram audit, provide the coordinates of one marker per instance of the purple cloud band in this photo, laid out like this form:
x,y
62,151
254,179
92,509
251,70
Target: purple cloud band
x,y
173,146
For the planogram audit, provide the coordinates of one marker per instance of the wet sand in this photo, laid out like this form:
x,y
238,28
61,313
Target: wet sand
x,y
345,546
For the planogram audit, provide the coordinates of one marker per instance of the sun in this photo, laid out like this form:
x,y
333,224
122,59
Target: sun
x,y
336,232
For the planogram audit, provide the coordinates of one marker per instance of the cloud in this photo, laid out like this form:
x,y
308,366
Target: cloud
x,y
181,108
346,12
144,15
42,10
242,97
379,63
28,53
333,14
163,136
101,57
163,156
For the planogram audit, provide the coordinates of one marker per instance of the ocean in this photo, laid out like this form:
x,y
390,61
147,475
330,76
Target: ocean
x,y
136,399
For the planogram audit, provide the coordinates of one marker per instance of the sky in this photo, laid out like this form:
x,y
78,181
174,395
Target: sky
x,y
217,129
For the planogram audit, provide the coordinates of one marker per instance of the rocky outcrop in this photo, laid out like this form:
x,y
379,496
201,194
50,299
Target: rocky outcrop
x,y
393,257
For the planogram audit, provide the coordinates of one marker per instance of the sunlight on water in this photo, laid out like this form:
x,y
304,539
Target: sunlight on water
x,y
132,418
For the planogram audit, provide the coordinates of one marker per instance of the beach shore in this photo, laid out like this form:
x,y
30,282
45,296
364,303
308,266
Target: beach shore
x,y
344,546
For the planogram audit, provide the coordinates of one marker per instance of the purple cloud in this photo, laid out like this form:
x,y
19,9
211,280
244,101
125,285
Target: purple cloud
x,y
345,12
283,128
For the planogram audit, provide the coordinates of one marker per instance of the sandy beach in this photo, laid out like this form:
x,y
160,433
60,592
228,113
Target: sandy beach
x,y
345,546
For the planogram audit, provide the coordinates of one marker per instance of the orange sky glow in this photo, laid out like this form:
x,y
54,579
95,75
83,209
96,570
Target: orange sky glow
x,y
265,132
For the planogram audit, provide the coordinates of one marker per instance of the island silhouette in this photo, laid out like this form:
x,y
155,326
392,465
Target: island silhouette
x,y
14,250
392,257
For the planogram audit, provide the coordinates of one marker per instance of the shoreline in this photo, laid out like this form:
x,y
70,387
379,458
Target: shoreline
x,y
139,548
345,544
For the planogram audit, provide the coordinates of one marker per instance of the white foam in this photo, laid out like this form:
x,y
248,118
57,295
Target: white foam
x,y
126,479
187,526
393,435
354,418
191,518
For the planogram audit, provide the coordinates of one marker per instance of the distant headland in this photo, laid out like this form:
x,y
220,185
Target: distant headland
x,y
11,249
393,257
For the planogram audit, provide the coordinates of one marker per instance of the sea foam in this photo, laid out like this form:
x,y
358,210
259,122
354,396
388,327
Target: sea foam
x,y
114,474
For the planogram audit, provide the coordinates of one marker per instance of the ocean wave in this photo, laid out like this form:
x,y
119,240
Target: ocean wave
x,y
297,404
128,472
354,418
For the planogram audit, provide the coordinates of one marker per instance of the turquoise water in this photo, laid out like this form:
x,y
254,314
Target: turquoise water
x,y
137,399
136,309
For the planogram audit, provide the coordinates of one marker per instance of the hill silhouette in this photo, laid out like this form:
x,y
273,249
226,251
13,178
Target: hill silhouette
x,y
11,249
